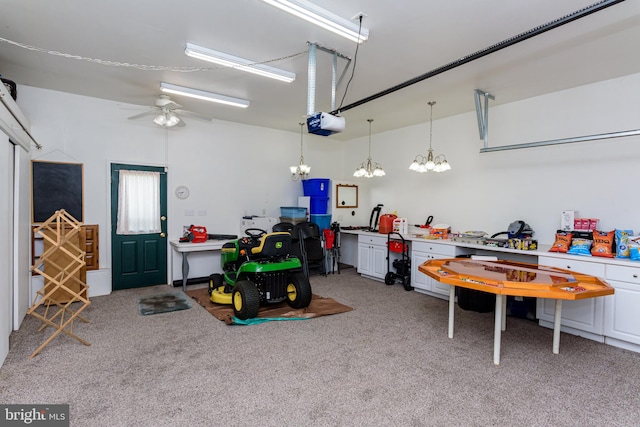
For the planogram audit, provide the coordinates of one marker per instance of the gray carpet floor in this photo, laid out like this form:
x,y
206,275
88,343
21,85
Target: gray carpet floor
x,y
386,363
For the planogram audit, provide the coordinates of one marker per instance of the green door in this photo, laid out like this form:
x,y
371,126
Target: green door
x,y
139,259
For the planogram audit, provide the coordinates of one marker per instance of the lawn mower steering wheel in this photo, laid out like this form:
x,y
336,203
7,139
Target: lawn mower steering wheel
x,y
255,233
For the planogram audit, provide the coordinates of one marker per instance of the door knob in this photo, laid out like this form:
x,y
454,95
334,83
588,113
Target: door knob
x,y
163,218
163,235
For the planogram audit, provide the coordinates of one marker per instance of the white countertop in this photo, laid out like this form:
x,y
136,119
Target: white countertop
x,y
543,250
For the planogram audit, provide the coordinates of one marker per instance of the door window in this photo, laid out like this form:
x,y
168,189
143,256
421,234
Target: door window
x,y
138,202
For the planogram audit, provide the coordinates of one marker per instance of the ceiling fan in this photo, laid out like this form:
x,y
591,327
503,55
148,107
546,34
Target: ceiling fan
x,y
168,113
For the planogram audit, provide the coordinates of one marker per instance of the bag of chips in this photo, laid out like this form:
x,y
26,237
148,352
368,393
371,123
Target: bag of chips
x,y
622,243
603,243
580,247
562,243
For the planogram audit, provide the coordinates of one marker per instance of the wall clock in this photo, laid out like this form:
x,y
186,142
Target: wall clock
x,y
182,192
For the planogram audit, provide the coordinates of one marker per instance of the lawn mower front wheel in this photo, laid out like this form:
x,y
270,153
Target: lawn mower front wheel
x,y
299,291
245,300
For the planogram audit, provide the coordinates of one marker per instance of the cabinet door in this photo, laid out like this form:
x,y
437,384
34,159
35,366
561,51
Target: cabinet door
x,y
364,259
585,315
379,265
422,281
419,280
621,319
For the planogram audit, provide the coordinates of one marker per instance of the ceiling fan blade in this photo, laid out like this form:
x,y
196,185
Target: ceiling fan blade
x,y
194,115
146,113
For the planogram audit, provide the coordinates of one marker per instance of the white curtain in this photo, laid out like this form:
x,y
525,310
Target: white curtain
x,y
138,202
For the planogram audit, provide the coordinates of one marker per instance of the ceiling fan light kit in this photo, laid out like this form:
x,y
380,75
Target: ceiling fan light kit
x,y
166,119
203,95
323,18
167,113
228,60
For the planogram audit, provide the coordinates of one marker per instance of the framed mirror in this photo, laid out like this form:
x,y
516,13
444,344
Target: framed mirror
x,y
346,196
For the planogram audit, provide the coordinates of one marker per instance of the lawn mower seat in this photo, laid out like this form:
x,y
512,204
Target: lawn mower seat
x,y
273,245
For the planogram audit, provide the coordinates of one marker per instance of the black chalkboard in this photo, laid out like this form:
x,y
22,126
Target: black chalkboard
x,y
56,186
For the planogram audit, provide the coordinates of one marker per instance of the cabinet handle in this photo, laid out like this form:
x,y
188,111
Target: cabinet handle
x,y
568,267
635,276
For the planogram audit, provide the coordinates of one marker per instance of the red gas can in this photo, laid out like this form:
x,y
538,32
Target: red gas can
x,y
386,223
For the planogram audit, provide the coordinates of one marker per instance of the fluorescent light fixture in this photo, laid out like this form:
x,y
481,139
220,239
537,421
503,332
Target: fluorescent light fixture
x,y
322,17
205,96
243,64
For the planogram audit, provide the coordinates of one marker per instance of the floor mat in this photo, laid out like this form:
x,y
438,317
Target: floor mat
x,y
319,306
163,303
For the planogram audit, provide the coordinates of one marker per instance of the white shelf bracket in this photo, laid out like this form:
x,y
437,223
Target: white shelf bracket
x,y
483,116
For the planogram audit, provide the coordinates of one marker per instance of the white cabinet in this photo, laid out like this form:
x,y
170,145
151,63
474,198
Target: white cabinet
x,y
372,255
621,320
582,317
426,251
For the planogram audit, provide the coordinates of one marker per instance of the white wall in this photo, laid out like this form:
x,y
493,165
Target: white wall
x,y
231,169
234,169
488,191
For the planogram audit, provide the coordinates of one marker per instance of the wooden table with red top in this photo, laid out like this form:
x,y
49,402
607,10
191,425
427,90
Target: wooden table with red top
x,y
509,278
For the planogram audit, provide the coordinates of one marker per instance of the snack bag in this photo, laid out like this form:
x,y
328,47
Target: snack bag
x,y
622,243
562,243
603,243
580,247
634,251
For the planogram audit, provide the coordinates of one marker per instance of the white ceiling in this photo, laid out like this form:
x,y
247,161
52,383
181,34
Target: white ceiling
x,y
408,38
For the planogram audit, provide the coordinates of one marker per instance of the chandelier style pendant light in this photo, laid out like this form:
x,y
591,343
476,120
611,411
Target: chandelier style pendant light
x,y
429,162
300,172
369,169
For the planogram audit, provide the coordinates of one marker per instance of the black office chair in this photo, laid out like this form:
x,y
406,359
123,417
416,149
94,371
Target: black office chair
x,y
310,247
283,226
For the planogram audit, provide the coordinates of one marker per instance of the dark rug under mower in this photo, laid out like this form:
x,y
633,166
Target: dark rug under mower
x,y
319,306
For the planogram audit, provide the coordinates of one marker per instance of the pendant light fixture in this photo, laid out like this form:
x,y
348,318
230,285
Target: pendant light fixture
x,y
429,162
300,172
369,169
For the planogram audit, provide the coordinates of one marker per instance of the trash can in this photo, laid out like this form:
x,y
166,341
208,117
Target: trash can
x,y
473,300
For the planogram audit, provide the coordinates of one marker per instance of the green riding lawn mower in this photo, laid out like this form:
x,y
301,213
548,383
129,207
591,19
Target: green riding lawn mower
x,y
259,269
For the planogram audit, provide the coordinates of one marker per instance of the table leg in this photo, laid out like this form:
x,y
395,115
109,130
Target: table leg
x,y
504,313
452,304
497,335
556,327
185,270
